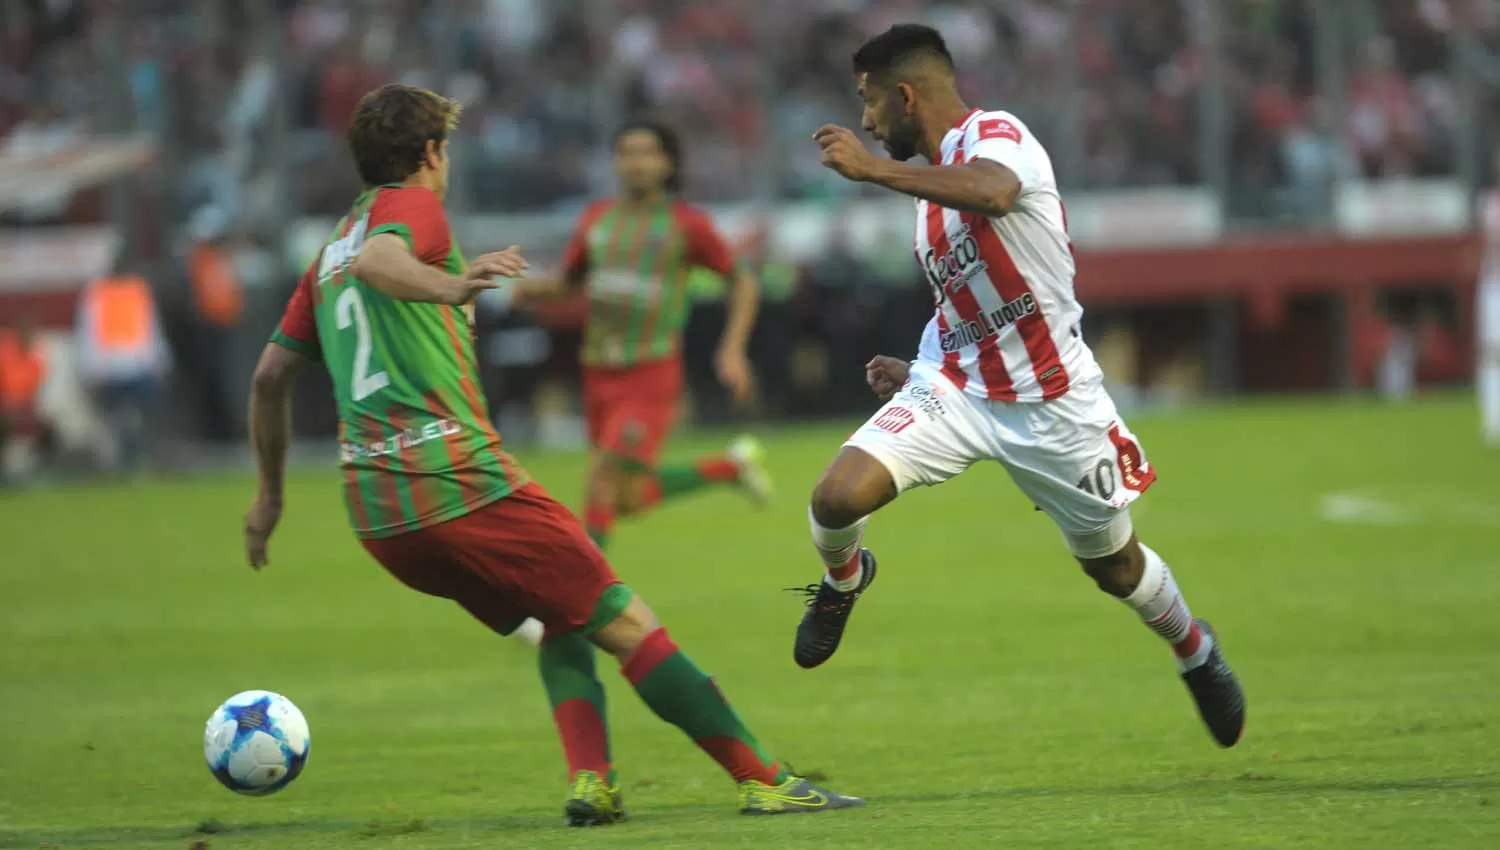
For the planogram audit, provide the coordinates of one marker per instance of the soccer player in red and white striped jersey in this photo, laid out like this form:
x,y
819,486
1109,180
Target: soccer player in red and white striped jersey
x,y
1002,372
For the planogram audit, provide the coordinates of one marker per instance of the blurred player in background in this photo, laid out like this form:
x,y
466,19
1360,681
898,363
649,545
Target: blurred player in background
x,y
1002,372
1488,308
429,491
631,254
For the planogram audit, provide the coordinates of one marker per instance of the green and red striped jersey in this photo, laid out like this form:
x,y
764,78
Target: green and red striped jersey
x,y
634,263
415,440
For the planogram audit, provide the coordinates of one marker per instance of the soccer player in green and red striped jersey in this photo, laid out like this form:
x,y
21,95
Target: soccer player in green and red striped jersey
x,y
631,255
430,493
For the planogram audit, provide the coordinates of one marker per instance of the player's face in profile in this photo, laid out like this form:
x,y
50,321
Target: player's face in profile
x,y
640,163
885,118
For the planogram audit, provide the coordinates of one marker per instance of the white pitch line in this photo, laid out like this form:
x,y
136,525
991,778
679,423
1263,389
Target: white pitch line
x,y
1355,508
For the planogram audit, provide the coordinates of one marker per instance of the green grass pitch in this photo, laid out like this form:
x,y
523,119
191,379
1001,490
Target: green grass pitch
x,y
986,695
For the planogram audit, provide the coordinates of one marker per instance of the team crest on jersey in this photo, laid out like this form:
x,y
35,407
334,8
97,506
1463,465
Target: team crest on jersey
x,y
894,420
952,271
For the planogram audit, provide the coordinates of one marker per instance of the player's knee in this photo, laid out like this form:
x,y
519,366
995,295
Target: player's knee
x,y
836,504
854,487
622,635
1118,573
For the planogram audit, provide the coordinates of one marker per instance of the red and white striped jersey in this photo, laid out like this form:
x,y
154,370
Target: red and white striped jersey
x,y
1006,327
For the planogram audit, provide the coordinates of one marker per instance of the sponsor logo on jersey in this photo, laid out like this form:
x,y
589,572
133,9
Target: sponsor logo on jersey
x,y
436,430
623,284
342,251
999,128
951,271
989,323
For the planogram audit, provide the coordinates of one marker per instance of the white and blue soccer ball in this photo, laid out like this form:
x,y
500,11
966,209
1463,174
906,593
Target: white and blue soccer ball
x,y
256,743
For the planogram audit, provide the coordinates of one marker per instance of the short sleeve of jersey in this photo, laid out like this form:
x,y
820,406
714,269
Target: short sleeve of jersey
x,y
706,247
298,329
575,260
997,137
416,215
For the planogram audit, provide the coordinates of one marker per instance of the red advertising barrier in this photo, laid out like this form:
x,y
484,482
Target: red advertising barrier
x,y
1307,307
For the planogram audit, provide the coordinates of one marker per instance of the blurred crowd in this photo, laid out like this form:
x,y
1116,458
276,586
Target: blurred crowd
x,y
1116,87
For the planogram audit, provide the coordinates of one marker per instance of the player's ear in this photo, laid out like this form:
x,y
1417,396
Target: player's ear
x,y
433,155
907,94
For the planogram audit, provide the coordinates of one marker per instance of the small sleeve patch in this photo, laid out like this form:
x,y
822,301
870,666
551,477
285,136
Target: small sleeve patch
x,y
999,128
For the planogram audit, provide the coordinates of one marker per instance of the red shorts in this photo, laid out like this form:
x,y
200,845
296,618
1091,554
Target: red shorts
x,y
631,410
521,556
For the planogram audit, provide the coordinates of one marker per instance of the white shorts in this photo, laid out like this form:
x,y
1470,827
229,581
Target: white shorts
x,y
1073,456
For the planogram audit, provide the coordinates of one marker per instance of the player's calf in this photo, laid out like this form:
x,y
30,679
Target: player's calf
x,y
1136,575
1118,573
679,692
853,487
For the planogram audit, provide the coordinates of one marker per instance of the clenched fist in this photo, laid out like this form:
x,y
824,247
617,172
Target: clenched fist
x,y
886,375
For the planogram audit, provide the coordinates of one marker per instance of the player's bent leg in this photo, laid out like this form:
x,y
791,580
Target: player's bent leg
x,y
680,693
573,688
1132,572
854,486
1085,473
527,555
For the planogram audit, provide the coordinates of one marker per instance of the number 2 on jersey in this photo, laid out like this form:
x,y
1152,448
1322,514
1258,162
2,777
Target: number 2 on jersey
x,y
350,310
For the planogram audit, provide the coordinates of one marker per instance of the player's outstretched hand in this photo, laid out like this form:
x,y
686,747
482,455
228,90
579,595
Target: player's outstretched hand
x,y
481,273
260,521
885,375
845,153
507,263
733,369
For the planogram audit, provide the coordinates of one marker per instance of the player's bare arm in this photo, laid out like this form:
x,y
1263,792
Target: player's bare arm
x,y
270,434
886,375
387,263
982,186
540,290
731,362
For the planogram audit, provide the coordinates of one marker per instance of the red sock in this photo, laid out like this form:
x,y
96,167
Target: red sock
x,y
847,571
718,469
584,739
685,696
1188,646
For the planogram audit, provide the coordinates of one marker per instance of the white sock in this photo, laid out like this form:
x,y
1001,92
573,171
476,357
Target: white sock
x,y
1160,605
839,549
1489,399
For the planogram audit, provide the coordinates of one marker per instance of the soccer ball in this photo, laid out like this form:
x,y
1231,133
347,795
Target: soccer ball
x,y
256,743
